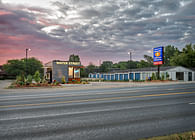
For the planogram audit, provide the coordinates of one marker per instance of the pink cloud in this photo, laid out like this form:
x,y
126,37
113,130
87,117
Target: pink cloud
x,y
27,20
5,13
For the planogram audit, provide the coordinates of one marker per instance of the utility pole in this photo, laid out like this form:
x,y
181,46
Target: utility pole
x,y
26,60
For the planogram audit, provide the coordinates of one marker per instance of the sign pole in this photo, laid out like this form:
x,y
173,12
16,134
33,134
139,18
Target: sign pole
x,y
158,72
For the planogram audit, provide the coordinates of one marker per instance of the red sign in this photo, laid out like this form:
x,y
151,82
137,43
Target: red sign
x,y
158,63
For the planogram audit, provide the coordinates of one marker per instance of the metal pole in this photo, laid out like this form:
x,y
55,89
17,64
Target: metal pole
x,y
158,72
26,62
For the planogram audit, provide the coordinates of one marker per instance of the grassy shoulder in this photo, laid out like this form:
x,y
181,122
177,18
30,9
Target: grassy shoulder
x,y
180,136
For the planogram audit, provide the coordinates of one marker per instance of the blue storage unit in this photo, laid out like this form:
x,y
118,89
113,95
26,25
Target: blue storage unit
x,y
108,77
112,77
131,76
104,77
116,77
94,75
137,76
126,77
90,76
121,77
98,75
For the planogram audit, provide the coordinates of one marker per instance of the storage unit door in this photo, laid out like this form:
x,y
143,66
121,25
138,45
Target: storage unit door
x,y
137,76
108,77
116,77
126,77
121,77
112,77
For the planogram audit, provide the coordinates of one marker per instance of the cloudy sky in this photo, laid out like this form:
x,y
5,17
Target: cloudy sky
x,y
93,29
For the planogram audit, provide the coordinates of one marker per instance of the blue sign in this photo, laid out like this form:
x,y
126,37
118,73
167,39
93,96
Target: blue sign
x,y
158,55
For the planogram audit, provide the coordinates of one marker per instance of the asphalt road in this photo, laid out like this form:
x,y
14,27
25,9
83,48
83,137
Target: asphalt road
x,y
116,114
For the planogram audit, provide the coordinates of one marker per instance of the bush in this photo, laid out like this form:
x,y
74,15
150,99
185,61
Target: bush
x,y
163,77
37,77
63,81
154,76
21,83
29,79
20,79
56,83
167,75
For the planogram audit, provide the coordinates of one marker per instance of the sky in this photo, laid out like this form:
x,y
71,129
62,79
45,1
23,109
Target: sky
x,y
96,30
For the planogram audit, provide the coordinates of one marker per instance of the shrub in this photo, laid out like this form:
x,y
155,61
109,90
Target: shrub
x,y
163,76
19,79
21,83
167,75
29,79
63,80
37,77
56,83
153,76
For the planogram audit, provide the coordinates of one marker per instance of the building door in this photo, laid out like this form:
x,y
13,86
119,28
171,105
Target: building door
x,y
189,76
50,76
180,75
137,76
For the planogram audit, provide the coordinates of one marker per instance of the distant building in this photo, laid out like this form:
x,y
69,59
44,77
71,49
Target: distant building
x,y
56,69
174,73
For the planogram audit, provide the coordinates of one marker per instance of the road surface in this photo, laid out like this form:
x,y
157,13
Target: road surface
x,y
98,114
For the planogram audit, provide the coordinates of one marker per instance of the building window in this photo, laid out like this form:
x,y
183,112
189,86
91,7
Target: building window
x,y
70,72
76,73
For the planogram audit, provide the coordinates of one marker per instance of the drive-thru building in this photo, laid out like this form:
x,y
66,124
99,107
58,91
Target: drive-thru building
x,y
173,73
57,69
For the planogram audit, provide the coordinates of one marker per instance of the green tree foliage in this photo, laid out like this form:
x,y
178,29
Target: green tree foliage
x,y
91,68
20,67
148,59
184,58
15,67
106,66
74,58
142,64
169,52
147,63
84,72
37,77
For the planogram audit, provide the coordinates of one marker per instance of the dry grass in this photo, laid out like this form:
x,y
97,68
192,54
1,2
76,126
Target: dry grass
x,y
179,136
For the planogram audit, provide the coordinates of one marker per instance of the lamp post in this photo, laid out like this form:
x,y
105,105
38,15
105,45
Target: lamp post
x,y
130,59
26,60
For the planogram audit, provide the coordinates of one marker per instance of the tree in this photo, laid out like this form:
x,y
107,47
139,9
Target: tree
x,y
74,58
106,66
20,67
33,65
91,68
169,52
84,73
14,67
142,64
184,58
148,59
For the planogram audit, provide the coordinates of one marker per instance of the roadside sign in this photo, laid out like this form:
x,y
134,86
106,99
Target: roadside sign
x,y
158,55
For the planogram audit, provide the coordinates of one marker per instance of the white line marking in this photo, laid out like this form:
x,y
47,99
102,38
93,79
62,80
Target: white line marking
x,y
192,103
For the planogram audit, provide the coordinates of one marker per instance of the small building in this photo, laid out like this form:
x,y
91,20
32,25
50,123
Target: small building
x,y
169,72
57,69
